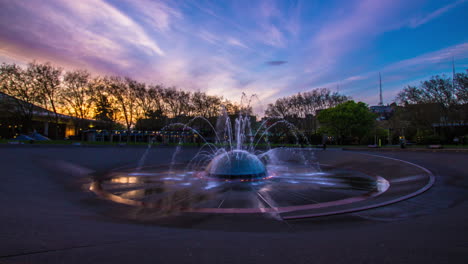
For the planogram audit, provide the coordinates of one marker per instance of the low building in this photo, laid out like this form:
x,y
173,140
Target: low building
x,y
384,112
19,117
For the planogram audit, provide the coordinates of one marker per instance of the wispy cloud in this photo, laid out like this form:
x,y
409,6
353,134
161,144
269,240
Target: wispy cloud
x,y
273,36
277,26
209,37
156,14
459,51
235,42
100,18
416,22
220,40
355,78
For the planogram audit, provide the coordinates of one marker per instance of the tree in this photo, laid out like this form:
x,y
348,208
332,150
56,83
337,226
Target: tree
x,y
461,87
348,119
155,93
205,105
46,78
280,109
105,110
122,95
150,101
301,109
22,95
435,101
230,107
304,104
77,96
177,102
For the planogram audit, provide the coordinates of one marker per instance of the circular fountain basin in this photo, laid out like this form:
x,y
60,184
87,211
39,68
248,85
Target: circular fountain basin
x,y
344,182
236,164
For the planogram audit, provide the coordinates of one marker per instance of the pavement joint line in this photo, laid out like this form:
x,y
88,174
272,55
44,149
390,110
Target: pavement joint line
x,y
65,248
44,251
149,238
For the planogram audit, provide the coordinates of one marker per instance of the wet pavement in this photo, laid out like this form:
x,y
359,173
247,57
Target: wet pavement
x,y
49,216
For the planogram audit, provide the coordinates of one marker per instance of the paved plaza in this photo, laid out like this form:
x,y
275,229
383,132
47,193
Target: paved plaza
x,y
49,216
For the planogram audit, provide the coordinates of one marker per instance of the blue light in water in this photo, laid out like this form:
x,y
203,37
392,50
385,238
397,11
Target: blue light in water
x,y
143,174
172,179
292,181
211,185
315,174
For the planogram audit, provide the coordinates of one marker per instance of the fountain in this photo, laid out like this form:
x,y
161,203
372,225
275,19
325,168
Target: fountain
x,y
236,164
234,175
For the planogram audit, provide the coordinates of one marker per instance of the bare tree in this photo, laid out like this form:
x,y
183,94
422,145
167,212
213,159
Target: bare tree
x,y
461,87
22,95
303,104
439,100
155,93
177,102
205,105
123,96
137,93
46,78
281,108
77,96
214,104
438,92
231,108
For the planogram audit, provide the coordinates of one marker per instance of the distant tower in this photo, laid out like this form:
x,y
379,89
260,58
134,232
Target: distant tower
x,y
380,86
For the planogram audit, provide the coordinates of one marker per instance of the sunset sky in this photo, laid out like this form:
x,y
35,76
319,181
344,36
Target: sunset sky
x,y
270,48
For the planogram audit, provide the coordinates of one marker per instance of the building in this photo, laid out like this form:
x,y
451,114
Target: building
x,y
384,112
19,117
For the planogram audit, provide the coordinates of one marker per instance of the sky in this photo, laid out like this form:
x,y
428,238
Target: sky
x,y
268,48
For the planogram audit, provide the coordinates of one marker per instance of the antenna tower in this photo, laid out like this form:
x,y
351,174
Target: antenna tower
x,y
453,73
380,86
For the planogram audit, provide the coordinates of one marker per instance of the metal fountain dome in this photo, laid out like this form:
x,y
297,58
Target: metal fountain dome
x,y
236,164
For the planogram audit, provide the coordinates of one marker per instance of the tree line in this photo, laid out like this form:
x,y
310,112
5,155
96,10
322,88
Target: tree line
x,y
118,100
434,111
126,103
305,104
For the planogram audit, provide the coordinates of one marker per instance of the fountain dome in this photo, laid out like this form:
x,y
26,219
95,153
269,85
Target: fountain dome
x,y
236,164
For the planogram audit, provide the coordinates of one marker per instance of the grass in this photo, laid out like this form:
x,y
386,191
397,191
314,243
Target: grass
x,y
93,143
132,143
